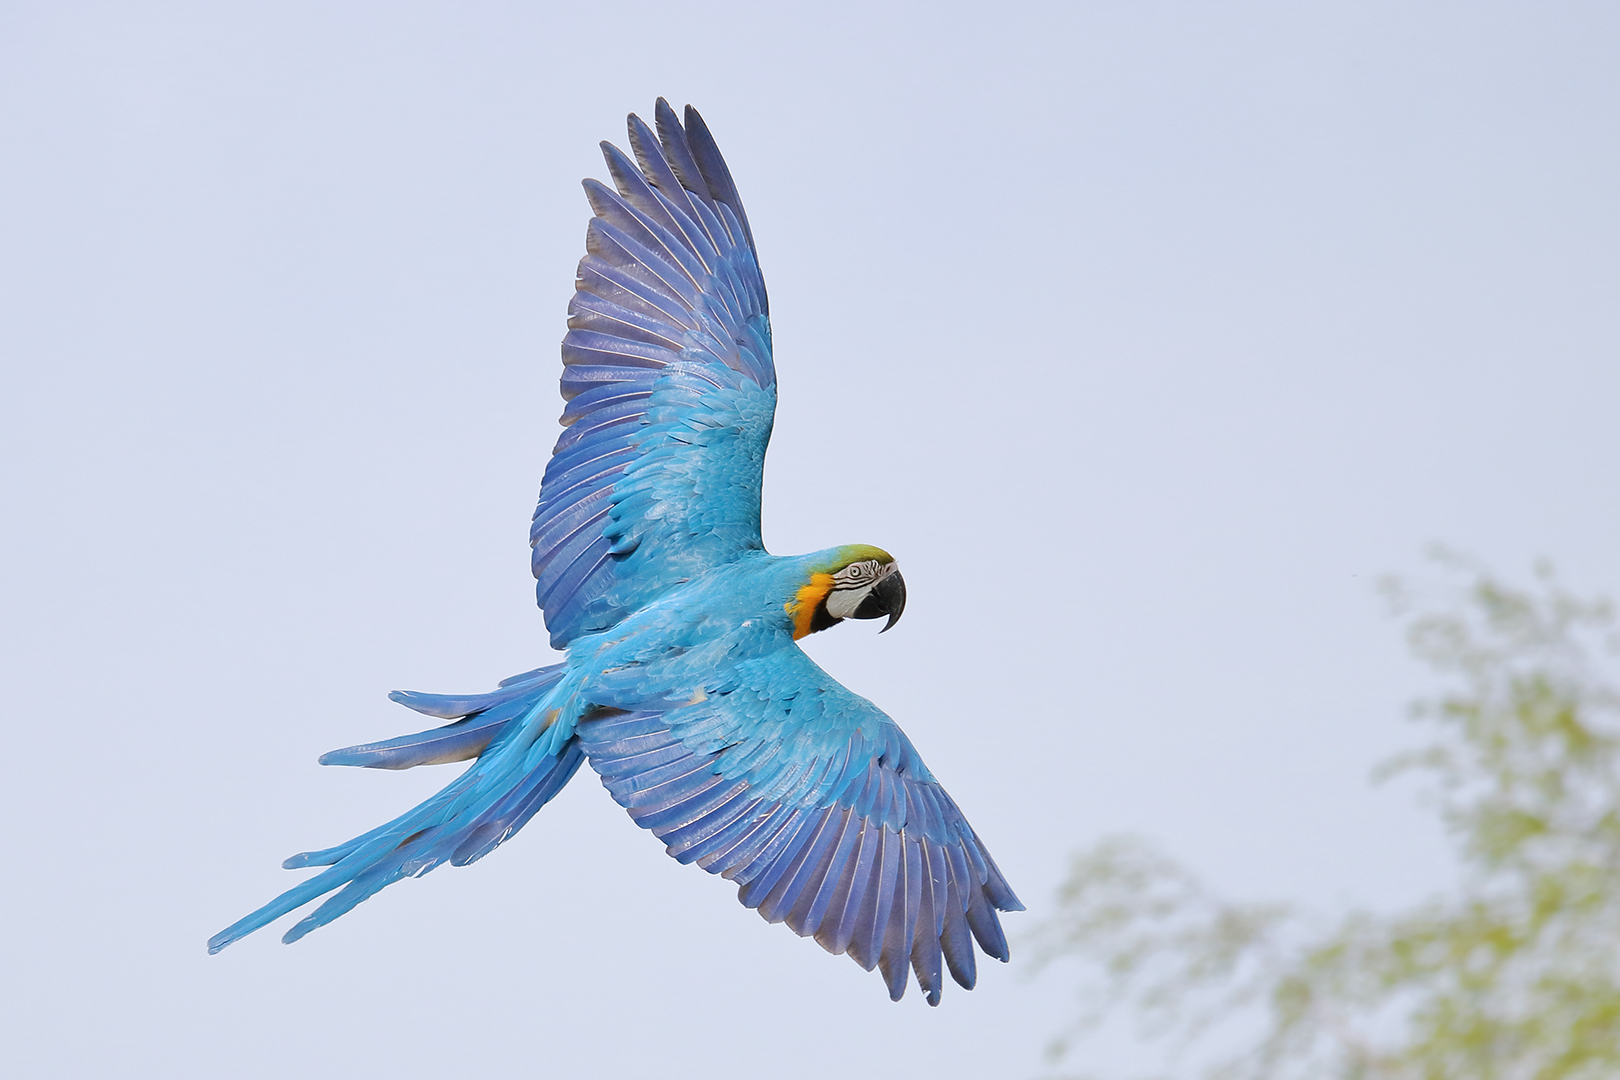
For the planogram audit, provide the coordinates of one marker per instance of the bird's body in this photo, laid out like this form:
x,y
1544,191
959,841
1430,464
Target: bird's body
x,y
683,685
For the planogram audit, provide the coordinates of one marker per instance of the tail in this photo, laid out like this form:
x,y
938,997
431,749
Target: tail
x,y
517,772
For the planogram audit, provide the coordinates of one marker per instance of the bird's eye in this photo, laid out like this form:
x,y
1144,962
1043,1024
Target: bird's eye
x,y
865,570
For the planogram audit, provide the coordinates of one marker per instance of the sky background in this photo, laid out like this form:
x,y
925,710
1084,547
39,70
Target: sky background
x,y
1147,336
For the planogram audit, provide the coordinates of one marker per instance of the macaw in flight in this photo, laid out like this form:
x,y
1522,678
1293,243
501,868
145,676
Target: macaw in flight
x,y
683,686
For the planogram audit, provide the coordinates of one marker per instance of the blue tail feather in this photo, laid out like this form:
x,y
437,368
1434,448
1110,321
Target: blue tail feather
x,y
449,706
505,818
517,772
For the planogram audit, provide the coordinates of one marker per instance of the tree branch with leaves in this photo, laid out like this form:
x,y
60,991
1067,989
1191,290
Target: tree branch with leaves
x,y
1515,975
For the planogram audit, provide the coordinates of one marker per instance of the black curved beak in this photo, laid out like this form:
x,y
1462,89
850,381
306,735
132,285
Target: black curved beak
x,y
888,597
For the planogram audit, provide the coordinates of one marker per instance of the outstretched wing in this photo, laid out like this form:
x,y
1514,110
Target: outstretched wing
x,y
669,383
815,803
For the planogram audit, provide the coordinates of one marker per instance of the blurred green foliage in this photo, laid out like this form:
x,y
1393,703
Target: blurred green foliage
x,y
1513,976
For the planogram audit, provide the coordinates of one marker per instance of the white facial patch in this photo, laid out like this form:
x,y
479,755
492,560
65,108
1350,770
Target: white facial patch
x,y
841,603
853,584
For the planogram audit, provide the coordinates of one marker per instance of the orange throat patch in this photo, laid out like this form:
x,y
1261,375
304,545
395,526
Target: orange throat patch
x,y
802,608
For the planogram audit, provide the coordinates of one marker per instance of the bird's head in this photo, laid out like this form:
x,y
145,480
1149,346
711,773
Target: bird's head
x,y
856,581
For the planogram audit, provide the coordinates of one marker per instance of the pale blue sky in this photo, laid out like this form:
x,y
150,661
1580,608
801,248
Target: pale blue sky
x,y
1146,335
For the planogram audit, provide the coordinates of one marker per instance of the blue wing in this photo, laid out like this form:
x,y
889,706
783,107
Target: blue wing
x,y
815,803
669,382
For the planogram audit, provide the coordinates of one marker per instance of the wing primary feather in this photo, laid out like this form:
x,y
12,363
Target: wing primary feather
x,y
565,535
999,892
723,798
575,570
895,959
920,817
986,927
678,205
936,869
588,311
925,953
577,378
889,883
583,347
670,790
798,899
644,144
697,796
569,521
686,842
715,173
970,847
810,910
782,882
782,856
866,932
611,244
664,188
763,849
648,761
865,801
572,530
912,899
634,750
583,461
837,932
703,214
677,151
605,422
891,798
956,942
961,873
599,277
636,188
573,484
602,397
710,852
620,209
736,847
735,224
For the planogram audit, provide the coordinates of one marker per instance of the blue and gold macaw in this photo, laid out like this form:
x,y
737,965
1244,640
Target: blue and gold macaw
x,y
682,685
